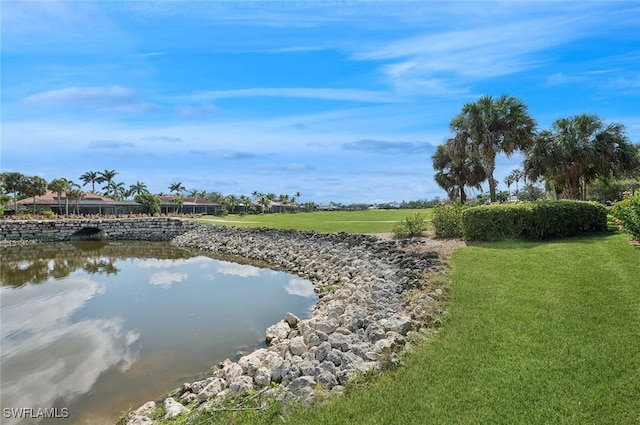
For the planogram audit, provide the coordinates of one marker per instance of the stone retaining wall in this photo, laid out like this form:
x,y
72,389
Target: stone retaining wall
x,y
373,296
147,228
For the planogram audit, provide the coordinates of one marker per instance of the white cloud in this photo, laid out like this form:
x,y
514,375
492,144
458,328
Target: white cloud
x,y
235,269
300,287
66,358
166,279
352,95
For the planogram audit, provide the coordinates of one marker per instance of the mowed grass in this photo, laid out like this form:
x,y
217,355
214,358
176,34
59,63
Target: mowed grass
x,y
536,333
368,221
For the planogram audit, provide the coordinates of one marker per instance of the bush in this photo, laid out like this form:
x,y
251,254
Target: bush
x,y
626,214
410,226
495,222
533,220
560,219
447,221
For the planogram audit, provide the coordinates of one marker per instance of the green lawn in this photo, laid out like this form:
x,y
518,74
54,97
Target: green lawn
x,y
537,333
368,221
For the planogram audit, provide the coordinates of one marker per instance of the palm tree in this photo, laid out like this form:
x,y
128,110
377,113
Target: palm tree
x,y
92,177
508,181
265,202
59,186
516,176
13,182
494,126
107,177
138,188
456,168
75,194
177,187
117,190
34,186
578,150
246,202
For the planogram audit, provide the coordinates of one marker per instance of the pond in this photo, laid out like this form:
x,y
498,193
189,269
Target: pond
x,y
95,328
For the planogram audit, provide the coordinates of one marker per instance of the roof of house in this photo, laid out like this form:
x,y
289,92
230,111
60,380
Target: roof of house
x,y
51,198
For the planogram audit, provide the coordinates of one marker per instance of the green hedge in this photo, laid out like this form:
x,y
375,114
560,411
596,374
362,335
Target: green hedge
x,y
533,220
447,221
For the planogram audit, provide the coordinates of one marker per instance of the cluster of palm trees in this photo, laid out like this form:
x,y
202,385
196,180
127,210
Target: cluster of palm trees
x,y
117,191
575,152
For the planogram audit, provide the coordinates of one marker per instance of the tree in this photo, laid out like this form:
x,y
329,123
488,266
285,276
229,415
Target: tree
x,y
118,191
508,181
92,177
75,194
59,186
230,202
177,187
138,188
456,168
149,202
13,183
516,175
265,202
107,176
494,126
34,186
576,151
246,202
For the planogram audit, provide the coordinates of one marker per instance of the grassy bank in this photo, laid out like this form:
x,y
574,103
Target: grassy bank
x,y
368,221
537,333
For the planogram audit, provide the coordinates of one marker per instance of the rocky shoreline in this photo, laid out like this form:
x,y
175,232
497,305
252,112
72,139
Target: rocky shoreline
x,y
373,294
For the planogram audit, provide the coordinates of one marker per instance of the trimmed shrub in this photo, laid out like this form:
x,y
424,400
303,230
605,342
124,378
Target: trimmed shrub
x,y
447,221
533,220
626,214
561,219
495,222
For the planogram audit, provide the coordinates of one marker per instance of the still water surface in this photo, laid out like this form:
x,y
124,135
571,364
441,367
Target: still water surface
x,y
99,328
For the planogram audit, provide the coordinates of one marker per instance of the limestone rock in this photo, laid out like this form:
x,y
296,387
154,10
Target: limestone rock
x,y
172,408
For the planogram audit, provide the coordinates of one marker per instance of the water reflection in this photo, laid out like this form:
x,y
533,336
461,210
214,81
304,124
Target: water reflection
x,y
99,328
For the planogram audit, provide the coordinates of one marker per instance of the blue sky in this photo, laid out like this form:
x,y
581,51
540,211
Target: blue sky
x,y
342,101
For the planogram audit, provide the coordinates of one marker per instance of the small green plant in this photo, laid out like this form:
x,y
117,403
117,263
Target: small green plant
x,y
447,221
626,214
410,226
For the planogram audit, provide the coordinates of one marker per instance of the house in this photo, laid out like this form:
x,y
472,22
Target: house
x,y
89,204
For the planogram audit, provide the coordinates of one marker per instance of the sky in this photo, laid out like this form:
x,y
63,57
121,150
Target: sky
x,y
342,101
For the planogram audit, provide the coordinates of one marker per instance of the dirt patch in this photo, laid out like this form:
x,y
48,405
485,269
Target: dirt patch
x,y
426,243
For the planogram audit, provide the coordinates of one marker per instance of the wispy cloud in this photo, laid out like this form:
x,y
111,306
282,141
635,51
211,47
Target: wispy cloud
x,y
352,95
109,144
387,147
162,139
447,62
112,98
228,155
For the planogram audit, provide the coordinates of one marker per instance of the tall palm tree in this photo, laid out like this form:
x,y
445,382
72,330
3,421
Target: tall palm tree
x,y
107,176
246,202
578,150
34,186
92,177
494,126
138,188
516,176
177,187
75,194
13,182
59,186
508,180
456,168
